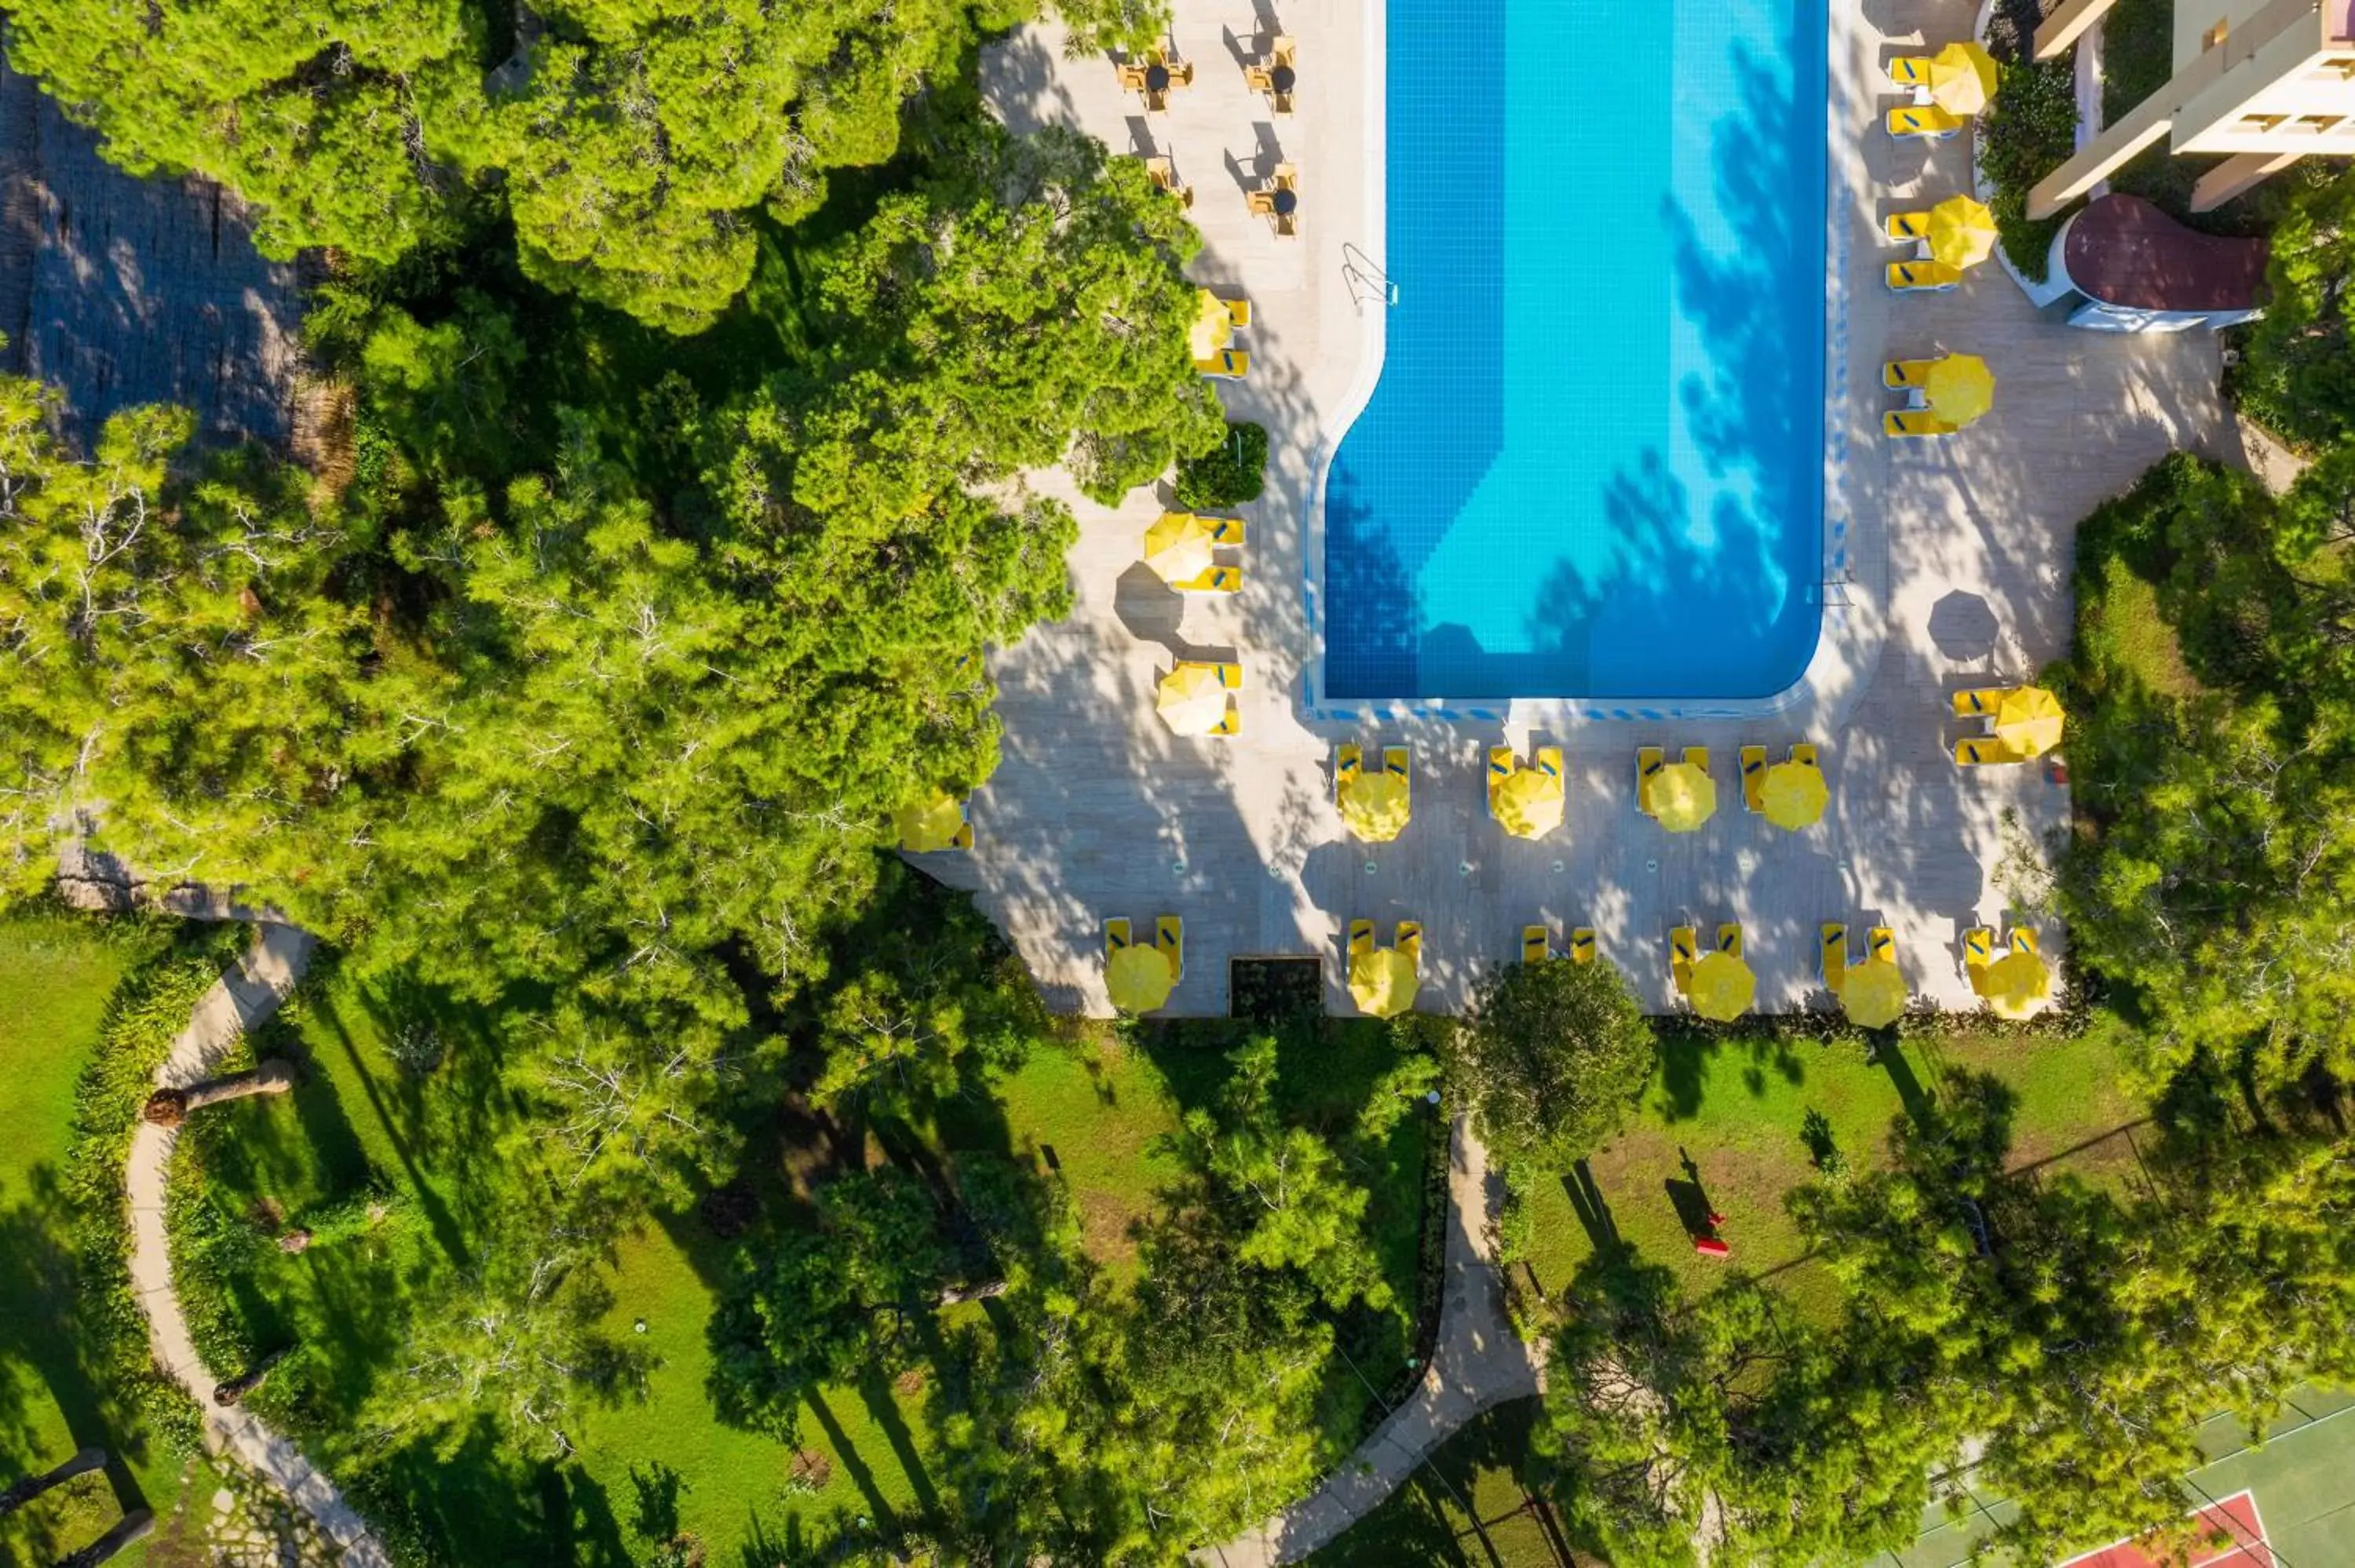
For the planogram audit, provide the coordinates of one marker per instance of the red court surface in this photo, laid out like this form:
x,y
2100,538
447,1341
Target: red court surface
x,y
2233,1520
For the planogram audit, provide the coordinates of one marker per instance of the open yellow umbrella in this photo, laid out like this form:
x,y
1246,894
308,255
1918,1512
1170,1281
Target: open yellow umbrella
x,y
1794,795
2015,985
1721,987
2029,720
932,824
1382,981
1139,979
1213,326
1962,232
1683,796
1962,78
1960,388
1874,995
1178,544
1375,806
1191,701
1528,803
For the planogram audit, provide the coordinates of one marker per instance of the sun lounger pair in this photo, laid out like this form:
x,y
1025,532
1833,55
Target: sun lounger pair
x,y
1978,945
1168,935
1684,951
1231,676
1880,947
1926,121
1537,945
1649,761
1349,760
1753,771
1408,939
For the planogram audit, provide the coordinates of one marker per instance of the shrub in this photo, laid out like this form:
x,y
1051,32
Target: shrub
x,y
1229,476
2028,130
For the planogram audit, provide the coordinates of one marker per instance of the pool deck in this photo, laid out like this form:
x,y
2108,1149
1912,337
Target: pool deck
x,y
1959,554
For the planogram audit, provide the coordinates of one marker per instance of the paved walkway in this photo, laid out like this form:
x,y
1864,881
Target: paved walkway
x,y
1480,1364
244,997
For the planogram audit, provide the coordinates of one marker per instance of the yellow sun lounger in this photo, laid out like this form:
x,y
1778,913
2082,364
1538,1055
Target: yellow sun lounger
x,y
1361,936
1115,936
1728,939
1697,757
1978,948
1170,936
1834,947
1537,943
1649,761
1979,705
1881,945
1217,579
1228,364
1921,277
1408,940
1500,764
1910,70
1239,314
1550,761
1926,121
1581,945
1984,753
2023,941
1911,422
1906,227
1348,761
1803,753
1753,777
1227,533
1684,952
1906,375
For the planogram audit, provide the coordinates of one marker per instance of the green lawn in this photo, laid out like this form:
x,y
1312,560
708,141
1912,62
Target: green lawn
x,y
57,975
1736,1108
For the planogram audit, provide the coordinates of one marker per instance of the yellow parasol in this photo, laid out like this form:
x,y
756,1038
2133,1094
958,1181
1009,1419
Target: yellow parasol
x,y
1874,995
2015,985
1962,232
1178,544
1683,796
1375,806
1794,795
1139,979
1962,78
1213,326
932,824
1191,701
1960,388
1382,981
2029,721
1528,802
1720,987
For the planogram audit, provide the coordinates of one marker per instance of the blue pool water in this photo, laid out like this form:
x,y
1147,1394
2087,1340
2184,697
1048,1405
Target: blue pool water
x,y
1594,465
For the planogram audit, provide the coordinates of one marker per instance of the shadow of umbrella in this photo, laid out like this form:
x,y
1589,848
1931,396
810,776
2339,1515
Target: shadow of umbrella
x,y
1964,627
1148,606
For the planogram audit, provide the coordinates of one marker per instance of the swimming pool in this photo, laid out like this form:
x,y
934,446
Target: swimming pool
x,y
1594,464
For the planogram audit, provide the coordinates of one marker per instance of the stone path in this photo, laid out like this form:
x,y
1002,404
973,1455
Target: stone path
x,y
242,999
1480,1364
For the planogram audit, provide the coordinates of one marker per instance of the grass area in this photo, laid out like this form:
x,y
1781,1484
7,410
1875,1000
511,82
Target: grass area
x,y
1475,1502
59,977
1736,1108
2123,625
662,1461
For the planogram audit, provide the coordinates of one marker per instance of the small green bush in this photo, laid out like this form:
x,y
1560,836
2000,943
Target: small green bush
x,y
1229,476
2029,131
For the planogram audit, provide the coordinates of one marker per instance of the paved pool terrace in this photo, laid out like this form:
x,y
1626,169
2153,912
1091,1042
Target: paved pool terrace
x,y
1945,565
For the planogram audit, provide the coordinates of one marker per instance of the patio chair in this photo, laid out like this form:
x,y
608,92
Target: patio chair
x,y
1906,375
1217,579
1921,277
1182,73
1157,102
1753,777
1348,762
1904,422
1924,121
1259,78
1361,936
1581,945
1284,51
1226,365
1164,172
1537,943
1131,75
1649,761
1834,949
1259,204
1287,226
1881,945
1170,936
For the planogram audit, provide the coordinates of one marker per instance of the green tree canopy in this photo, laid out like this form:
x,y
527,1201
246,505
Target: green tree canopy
x,y
1550,1059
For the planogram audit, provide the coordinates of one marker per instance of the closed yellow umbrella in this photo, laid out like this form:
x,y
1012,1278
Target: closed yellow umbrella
x,y
2015,985
1528,803
1960,388
1721,987
1375,806
1383,982
2029,720
1962,232
1213,326
1962,78
1874,995
1139,979
1178,544
1683,796
1191,701
932,824
1794,795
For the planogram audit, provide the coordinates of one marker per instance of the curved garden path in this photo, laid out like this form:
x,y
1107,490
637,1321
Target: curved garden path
x,y
241,999
1479,1363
